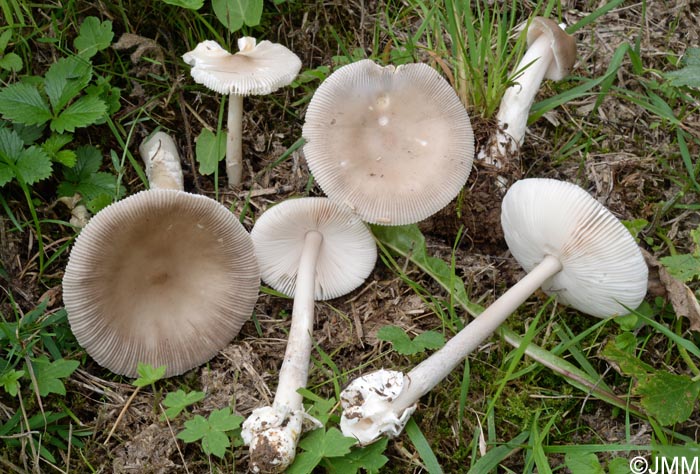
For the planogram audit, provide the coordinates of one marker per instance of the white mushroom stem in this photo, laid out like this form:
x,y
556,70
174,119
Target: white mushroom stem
x,y
234,140
273,432
517,99
162,160
367,420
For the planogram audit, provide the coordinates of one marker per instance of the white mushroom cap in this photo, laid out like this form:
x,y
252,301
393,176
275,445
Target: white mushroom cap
x,y
348,251
563,46
603,269
254,70
162,277
393,143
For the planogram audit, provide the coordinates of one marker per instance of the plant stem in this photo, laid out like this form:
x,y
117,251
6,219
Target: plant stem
x,y
234,140
435,368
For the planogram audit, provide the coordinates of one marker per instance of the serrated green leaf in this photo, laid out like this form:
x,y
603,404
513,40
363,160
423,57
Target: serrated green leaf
x,y
668,397
95,35
11,62
684,267
689,74
619,466
28,165
403,344
81,113
48,374
65,80
583,463
368,459
188,4
23,103
10,381
97,188
148,375
212,431
429,340
617,353
33,165
178,401
223,420
65,157
233,14
209,150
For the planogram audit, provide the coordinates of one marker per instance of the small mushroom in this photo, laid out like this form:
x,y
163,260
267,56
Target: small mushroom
x,y
162,277
395,144
569,244
257,69
550,55
313,249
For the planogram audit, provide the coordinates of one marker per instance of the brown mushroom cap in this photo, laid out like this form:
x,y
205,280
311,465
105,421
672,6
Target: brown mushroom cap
x,y
563,46
348,251
162,277
393,143
254,70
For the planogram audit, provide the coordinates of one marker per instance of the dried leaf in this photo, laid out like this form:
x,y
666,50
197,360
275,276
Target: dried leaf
x,y
679,294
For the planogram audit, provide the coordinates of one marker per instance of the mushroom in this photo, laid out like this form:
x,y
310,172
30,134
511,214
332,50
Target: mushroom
x,y
395,144
313,249
570,245
162,277
550,55
254,70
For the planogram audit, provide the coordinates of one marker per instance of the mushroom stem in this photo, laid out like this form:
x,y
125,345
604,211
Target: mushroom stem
x,y
518,98
234,140
295,367
366,419
273,432
162,160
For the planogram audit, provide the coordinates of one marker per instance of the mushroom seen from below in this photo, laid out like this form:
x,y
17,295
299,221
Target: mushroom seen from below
x,y
569,244
257,69
550,55
311,249
395,144
162,277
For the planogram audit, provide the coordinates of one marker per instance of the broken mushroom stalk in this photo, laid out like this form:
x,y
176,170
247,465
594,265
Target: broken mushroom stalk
x,y
551,54
162,277
395,144
256,69
313,249
569,244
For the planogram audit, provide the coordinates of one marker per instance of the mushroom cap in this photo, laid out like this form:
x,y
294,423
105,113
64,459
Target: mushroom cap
x,y
254,70
603,268
162,277
347,255
563,46
393,143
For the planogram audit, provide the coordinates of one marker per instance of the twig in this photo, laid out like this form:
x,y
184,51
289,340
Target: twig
x,y
121,414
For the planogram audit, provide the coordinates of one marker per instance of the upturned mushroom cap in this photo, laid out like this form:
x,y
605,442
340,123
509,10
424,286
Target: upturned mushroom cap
x,y
393,143
162,277
603,269
348,251
563,46
254,70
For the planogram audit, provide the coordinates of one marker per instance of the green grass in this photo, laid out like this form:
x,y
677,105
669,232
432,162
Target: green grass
x,y
520,404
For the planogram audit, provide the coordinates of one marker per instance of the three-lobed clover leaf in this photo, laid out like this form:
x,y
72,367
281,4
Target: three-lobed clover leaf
x,y
95,35
96,187
318,445
148,375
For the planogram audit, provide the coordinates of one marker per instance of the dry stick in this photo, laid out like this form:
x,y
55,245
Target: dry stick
x,y
121,414
179,451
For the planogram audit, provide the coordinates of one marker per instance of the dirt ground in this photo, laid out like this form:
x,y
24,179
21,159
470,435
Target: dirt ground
x,y
626,169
